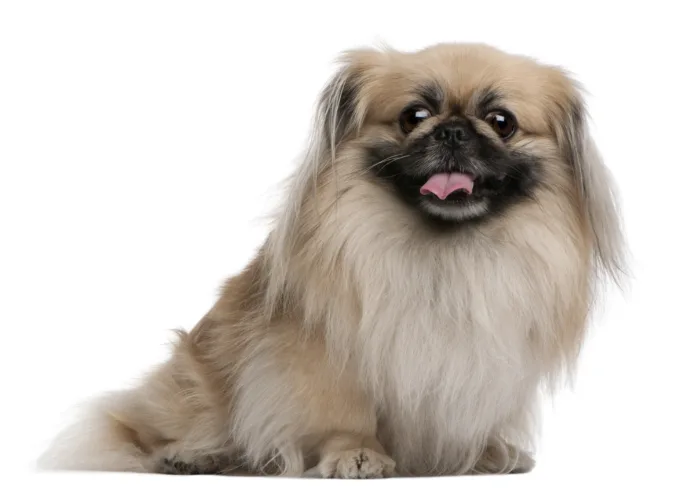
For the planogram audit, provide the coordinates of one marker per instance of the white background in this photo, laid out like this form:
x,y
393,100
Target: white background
x,y
142,143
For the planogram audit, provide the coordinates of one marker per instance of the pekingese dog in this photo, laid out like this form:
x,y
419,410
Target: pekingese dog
x,y
430,274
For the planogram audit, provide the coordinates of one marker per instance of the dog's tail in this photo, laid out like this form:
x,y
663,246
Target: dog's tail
x,y
175,412
103,439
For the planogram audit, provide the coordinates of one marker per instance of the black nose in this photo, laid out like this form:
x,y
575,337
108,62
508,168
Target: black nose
x,y
451,133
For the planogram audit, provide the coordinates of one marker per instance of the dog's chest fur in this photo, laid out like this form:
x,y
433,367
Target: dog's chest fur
x,y
446,353
447,333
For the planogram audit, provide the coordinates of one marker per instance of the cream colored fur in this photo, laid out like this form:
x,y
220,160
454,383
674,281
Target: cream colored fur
x,y
360,344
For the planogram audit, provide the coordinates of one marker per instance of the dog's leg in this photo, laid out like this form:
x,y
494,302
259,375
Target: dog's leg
x,y
501,457
349,456
297,407
183,463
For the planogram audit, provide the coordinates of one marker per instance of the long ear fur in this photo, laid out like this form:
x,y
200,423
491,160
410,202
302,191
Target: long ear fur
x,y
339,113
597,190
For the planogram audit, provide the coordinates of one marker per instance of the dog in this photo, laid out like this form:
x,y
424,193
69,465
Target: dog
x,y
430,275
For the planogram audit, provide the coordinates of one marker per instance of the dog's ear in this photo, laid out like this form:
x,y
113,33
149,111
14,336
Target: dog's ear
x,y
344,101
594,183
339,114
336,112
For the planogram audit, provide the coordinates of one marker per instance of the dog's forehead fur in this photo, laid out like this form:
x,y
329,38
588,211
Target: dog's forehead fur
x,y
462,74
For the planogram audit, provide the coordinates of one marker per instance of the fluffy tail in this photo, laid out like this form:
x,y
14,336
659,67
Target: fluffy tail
x,y
176,412
102,439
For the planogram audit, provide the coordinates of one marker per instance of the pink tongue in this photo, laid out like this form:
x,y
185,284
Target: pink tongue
x,y
443,184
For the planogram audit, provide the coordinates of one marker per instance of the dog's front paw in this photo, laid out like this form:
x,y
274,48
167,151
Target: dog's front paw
x,y
503,458
360,463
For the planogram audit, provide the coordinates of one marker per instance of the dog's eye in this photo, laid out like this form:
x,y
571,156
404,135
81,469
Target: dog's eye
x,y
413,116
503,123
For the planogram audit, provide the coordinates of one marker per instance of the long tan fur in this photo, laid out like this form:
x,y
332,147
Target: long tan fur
x,y
359,344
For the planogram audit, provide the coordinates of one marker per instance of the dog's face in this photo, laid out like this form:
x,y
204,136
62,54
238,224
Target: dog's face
x,y
459,133
454,158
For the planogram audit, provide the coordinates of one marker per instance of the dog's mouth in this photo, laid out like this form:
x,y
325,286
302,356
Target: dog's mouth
x,y
460,188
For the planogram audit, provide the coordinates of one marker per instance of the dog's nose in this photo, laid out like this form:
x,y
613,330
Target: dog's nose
x,y
451,133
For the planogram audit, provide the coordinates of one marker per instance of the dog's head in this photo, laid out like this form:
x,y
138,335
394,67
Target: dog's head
x,y
463,135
